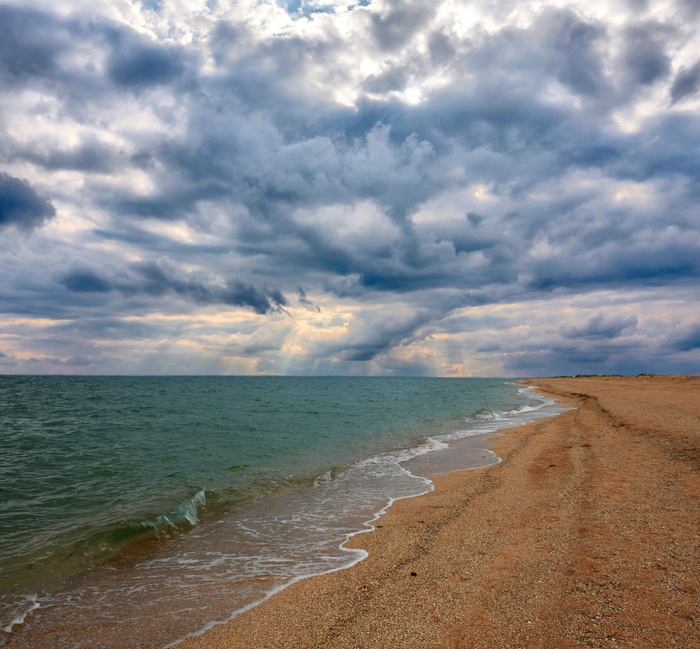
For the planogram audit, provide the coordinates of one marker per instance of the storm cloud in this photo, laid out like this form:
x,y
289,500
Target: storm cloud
x,y
21,205
384,187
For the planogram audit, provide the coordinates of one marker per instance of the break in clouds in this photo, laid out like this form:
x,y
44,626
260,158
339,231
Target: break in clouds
x,y
372,187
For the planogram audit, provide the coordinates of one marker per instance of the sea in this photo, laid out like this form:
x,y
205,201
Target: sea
x,y
136,511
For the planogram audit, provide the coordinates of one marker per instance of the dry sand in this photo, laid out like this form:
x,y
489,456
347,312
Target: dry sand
x,y
586,535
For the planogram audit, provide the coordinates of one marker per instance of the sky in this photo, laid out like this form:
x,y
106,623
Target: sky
x,y
357,187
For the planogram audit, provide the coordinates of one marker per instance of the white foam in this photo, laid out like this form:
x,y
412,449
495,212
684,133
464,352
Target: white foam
x,y
33,600
326,477
402,455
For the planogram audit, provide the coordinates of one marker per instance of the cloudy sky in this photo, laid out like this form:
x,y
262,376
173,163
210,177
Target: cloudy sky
x,y
389,187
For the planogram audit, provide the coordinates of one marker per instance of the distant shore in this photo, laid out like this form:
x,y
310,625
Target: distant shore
x,y
585,535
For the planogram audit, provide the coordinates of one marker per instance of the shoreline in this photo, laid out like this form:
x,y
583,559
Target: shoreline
x,y
160,627
418,467
490,556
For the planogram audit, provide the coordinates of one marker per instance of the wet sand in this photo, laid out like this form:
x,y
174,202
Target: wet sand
x,y
587,534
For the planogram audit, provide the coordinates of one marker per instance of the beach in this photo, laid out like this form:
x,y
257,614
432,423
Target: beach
x,y
585,535
120,529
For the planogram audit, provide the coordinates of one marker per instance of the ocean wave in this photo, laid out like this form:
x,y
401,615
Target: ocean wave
x,y
324,477
185,514
398,456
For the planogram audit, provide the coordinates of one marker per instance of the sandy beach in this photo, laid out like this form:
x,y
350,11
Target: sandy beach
x,y
585,535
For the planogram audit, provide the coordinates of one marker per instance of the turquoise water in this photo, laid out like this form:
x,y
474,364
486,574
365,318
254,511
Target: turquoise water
x,y
232,480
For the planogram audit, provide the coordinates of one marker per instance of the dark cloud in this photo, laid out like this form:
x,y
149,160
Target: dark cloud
x,y
306,303
103,327
644,54
135,63
692,7
575,47
399,21
241,294
475,219
158,279
686,83
28,44
600,327
21,205
689,341
54,54
90,156
85,281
